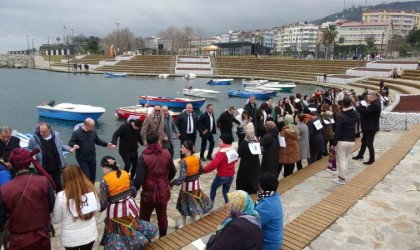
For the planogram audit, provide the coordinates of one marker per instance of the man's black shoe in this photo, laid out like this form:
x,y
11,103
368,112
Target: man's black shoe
x,y
357,158
368,162
210,158
202,159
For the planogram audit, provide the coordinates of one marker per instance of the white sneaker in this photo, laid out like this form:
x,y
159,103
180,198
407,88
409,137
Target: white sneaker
x,y
339,181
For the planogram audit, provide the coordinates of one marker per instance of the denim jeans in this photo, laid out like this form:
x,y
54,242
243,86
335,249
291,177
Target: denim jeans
x,y
89,168
218,181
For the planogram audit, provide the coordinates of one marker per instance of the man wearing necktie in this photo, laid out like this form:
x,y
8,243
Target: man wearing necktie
x,y
153,122
187,123
207,125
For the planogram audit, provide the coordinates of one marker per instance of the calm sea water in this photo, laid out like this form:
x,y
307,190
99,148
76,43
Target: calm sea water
x,y
23,89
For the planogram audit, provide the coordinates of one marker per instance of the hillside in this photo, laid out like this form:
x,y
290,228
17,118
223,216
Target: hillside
x,y
355,13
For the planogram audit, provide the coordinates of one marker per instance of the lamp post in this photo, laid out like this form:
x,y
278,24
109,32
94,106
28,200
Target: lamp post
x,y
49,52
382,43
72,40
118,38
33,53
27,41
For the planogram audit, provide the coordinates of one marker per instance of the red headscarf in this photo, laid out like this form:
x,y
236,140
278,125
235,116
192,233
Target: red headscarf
x,y
22,158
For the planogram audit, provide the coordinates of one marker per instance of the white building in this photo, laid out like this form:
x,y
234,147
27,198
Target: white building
x,y
268,39
403,21
152,42
299,37
231,36
357,32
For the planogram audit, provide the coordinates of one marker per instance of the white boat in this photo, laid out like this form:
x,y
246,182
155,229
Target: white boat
x,y
206,93
261,88
253,82
70,111
190,76
281,86
163,76
24,138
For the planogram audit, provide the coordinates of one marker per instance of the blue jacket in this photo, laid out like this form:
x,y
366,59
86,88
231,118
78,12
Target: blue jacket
x,y
35,142
5,174
270,210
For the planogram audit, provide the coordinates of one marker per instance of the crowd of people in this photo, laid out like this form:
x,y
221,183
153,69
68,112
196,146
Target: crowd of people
x,y
298,129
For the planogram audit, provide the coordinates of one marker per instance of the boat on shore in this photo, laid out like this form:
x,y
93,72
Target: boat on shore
x,y
70,111
140,111
258,95
205,93
115,74
163,76
171,102
260,89
190,76
220,81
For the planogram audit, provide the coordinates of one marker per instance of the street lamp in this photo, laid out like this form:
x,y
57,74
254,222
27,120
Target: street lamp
x,y
49,52
118,38
382,43
27,40
33,52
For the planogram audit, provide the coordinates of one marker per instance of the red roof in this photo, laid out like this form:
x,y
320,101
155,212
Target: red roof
x,y
353,24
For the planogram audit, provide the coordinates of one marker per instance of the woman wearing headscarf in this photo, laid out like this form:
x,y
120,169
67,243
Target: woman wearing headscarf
x,y
123,227
289,154
191,200
249,167
241,229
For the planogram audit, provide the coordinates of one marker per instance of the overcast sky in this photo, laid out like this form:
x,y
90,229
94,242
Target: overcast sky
x,y
46,18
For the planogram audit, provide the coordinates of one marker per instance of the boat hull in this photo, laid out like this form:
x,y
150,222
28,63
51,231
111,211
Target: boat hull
x,y
245,94
67,115
172,102
220,81
111,74
197,93
126,112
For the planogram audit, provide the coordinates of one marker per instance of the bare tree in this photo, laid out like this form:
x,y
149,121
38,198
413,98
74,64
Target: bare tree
x,y
126,40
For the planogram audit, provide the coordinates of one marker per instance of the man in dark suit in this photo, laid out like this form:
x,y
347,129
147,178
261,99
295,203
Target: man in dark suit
x,y
226,120
251,107
169,129
187,123
8,142
207,126
130,138
369,119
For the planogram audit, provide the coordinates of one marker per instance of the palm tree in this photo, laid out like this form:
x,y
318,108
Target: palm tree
x,y
328,37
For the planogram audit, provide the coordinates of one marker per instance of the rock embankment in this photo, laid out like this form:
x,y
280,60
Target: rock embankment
x,y
16,61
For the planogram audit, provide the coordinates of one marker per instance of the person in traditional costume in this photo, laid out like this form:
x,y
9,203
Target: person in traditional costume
x,y
27,201
123,228
191,200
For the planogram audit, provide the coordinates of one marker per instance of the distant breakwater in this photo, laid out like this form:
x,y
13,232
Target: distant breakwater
x,y
16,61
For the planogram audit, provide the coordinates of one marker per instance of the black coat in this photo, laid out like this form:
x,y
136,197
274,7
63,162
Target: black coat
x,y
252,111
369,116
270,152
129,140
345,126
249,169
6,149
224,123
182,123
316,136
86,141
204,124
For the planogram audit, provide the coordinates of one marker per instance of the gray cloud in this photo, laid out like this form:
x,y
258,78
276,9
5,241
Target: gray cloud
x,y
46,18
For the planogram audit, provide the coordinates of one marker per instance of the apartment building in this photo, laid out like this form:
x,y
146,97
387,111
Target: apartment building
x,y
357,32
301,36
403,21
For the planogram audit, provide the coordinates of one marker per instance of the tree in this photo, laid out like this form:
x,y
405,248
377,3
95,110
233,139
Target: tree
x,y
341,40
328,37
58,39
93,44
124,37
370,42
413,37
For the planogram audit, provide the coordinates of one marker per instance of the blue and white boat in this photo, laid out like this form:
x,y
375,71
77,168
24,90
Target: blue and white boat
x,y
220,81
70,111
115,74
253,82
258,95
